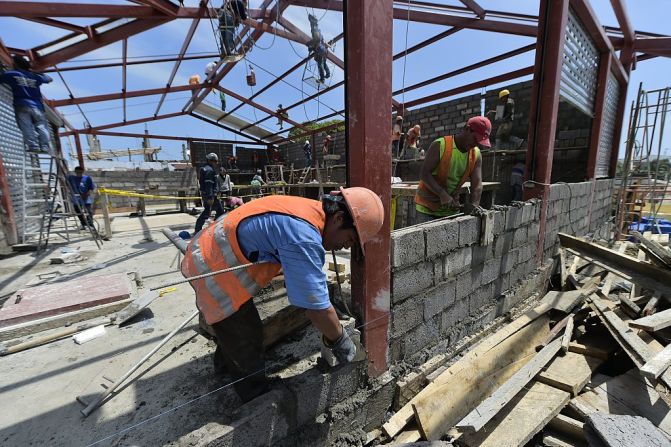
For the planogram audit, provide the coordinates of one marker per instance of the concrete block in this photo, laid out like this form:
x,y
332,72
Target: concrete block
x,y
466,283
527,213
457,262
520,236
481,297
508,260
501,285
503,244
513,218
469,230
406,316
491,271
442,236
423,336
411,281
453,316
499,222
439,298
407,246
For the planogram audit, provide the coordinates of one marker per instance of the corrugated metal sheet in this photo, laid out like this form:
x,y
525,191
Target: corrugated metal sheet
x,y
607,127
580,67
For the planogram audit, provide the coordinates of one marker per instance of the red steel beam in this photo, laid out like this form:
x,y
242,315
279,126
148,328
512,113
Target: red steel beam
x,y
301,102
256,105
57,24
168,137
113,96
163,6
553,17
623,20
468,68
182,51
93,31
128,63
123,123
599,107
653,44
106,38
80,154
124,56
473,6
472,86
296,30
590,21
321,118
426,42
369,29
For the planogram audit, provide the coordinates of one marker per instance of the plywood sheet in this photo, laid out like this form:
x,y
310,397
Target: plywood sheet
x,y
571,372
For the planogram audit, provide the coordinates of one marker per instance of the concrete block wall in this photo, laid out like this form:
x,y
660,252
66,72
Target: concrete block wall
x,y
576,208
155,182
445,285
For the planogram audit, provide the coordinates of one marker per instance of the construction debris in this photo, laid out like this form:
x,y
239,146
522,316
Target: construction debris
x,y
576,369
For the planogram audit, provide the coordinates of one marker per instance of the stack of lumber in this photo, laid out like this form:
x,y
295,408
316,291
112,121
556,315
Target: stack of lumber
x,y
589,358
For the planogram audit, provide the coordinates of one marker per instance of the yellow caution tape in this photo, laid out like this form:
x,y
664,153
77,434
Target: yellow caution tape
x,y
120,192
168,290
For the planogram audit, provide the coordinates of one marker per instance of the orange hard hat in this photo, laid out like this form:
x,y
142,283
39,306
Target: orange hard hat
x,y
367,212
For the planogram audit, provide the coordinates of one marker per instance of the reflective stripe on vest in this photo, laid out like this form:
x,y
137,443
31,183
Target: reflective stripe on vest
x,y
217,248
425,196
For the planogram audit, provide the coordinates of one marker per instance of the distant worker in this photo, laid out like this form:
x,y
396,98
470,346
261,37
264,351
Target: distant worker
x,y
307,150
224,184
517,179
326,146
257,180
194,79
450,162
232,163
317,46
411,141
222,98
82,187
276,156
28,106
282,115
232,202
231,14
209,69
396,132
503,117
289,234
207,178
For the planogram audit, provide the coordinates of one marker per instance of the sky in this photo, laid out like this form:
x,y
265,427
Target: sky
x,y
273,55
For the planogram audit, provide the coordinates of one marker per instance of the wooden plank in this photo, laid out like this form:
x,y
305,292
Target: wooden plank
x,y
570,373
472,379
651,307
630,305
521,419
591,351
484,412
568,333
655,248
622,265
626,431
556,329
656,366
568,426
636,289
554,440
653,322
399,419
408,436
487,228
562,268
626,394
563,301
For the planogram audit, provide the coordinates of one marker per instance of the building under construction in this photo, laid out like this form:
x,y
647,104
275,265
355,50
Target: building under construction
x,y
536,316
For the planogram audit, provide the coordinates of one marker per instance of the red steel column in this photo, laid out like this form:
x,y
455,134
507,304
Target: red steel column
x,y
552,18
597,121
80,154
368,61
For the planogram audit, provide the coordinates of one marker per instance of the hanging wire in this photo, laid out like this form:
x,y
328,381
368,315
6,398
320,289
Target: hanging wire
x,y
71,95
277,15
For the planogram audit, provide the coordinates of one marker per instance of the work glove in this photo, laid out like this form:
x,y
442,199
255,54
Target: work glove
x,y
343,348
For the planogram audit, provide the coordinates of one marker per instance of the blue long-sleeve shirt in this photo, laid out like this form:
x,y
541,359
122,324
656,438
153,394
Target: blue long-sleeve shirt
x,y
208,182
81,186
296,245
25,87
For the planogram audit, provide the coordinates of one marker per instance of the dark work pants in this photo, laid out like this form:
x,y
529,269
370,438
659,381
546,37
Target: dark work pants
x,y
240,350
207,211
84,214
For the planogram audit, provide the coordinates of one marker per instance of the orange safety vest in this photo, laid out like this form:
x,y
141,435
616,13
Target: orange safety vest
x,y
425,196
217,248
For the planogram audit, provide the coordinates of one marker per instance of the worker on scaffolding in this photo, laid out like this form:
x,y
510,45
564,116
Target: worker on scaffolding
x,y
290,234
207,179
450,161
282,115
82,188
307,150
28,106
503,117
231,14
317,46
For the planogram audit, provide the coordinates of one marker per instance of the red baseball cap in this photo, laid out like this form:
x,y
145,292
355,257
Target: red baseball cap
x,y
481,127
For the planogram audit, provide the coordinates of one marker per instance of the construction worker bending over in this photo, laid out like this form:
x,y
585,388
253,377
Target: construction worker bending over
x,y
290,234
82,187
231,14
449,163
207,178
28,107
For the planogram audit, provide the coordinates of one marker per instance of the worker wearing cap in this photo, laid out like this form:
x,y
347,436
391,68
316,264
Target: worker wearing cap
x,y
207,178
450,162
286,233
396,131
503,116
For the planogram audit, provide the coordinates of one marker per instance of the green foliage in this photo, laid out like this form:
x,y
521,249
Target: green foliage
x,y
295,133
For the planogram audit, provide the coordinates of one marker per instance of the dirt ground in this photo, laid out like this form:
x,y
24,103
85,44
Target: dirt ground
x,y
177,391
